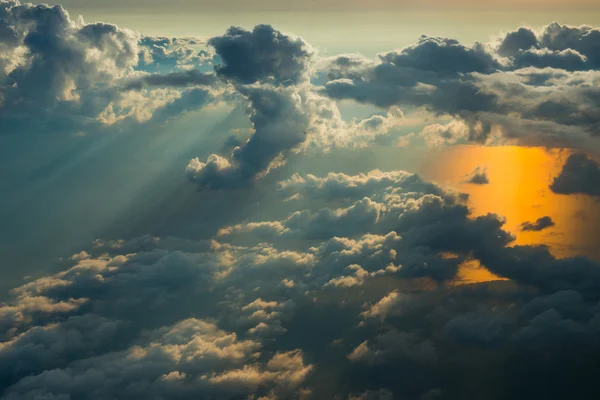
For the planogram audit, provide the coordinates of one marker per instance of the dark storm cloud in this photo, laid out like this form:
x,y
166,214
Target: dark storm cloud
x,y
579,175
538,225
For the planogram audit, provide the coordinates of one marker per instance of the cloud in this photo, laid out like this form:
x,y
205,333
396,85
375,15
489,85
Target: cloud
x,y
174,79
228,318
381,394
280,124
190,357
66,68
340,186
579,175
514,42
261,55
267,316
271,71
163,54
538,225
355,276
60,74
393,345
494,90
482,328
450,133
388,305
477,177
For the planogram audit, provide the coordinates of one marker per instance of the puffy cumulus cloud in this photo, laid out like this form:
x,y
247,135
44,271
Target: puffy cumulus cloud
x,y
163,54
55,345
577,46
54,64
484,318
60,74
271,72
413,75
387,306
267,315
270,316
477,177
280,123
355,277
339,186
261,55
329,131
579,175
534,87
182,360
82,343
516,41
29,307
457,57
538,225
441,134
399,228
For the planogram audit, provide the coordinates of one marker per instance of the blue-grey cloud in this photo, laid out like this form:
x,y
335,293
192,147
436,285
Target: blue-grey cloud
x,y
538,225
58,75
488,86
191,318
477,177
261,55
353,277
173,79
579,175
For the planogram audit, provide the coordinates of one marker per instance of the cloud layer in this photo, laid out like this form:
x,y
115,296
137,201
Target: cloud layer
x,y
313,282
228,317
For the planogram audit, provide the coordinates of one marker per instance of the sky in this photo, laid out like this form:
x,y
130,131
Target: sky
x,y
325,5
281,200
339,26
